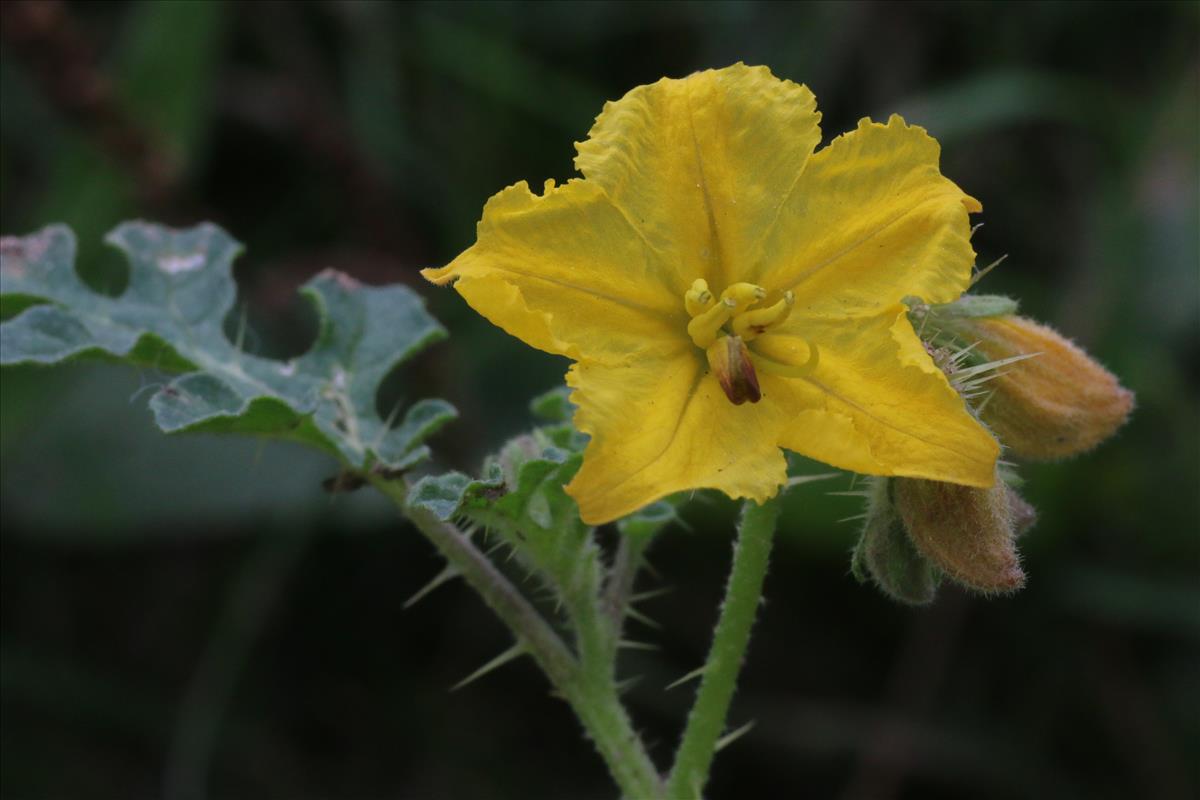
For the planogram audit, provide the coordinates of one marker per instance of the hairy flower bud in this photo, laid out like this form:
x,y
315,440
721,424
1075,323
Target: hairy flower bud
x,y
885,554
1058,404
1023,514
968,533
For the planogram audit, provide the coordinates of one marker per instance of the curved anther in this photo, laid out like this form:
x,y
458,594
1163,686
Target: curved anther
x,y
698,299
705,328
754,323
771,367
744,294
730,363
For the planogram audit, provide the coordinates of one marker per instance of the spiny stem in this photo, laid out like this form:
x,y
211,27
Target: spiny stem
x,y
598,702
587,684
706,722
619,588
531,629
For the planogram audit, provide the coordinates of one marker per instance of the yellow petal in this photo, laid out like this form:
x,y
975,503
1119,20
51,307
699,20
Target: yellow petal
x,y
663,426
876,404
701,165
565,273
871,221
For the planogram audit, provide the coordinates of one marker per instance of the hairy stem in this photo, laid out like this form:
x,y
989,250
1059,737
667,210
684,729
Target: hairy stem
x,y
706,722
586,683
619,587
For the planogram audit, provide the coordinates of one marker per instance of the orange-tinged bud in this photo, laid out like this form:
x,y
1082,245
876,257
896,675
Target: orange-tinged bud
x,y
1023,514
968,533
730,362
1057,404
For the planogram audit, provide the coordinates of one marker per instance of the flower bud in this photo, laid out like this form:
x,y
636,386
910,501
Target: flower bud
x,y
1058,404
885,555
512,457
1023,514
968,533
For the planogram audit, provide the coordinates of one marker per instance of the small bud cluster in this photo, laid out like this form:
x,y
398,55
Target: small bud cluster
x,y
1041,395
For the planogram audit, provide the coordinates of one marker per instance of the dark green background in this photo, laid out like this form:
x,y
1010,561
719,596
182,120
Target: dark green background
x,y
178,608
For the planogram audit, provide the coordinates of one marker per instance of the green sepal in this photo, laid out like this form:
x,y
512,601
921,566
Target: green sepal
x,y
171,318
969,306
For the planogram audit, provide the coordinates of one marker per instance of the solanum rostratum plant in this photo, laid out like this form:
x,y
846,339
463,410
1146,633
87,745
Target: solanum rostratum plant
x,y
726,292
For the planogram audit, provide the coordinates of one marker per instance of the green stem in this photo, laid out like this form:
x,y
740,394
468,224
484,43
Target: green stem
x,y
587,685
597,700
706,722
619,587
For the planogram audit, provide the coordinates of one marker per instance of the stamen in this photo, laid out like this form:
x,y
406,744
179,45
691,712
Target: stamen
x,y
698,299
772,367
754,323
704,328
744,294
730,362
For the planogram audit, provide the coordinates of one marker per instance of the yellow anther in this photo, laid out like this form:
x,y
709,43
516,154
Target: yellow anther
x,y
744,294
698,299
704,328
754,323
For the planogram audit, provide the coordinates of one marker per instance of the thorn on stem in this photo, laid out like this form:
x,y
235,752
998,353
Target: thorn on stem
x,y
511,654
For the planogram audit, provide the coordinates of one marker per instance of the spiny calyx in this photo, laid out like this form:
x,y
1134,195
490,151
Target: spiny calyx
x,y
721,327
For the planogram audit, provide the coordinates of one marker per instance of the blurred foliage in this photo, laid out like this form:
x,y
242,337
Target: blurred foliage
x,y
175,609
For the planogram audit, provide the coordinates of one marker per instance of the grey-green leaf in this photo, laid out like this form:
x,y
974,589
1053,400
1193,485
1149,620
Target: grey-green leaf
x,y
442,495
171,318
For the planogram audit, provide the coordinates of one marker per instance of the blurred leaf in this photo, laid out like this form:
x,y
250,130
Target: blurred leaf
x,y
171,318
82,467
1151,603
167,66
497,68
374,91
988,100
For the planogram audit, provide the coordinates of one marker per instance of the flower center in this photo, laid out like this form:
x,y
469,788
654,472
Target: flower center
x,y
722,326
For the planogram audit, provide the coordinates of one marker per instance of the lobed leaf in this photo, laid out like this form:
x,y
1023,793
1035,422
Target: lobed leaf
x,y
171,318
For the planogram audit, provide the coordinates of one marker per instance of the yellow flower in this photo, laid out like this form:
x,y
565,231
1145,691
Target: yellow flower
x,y
725,292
